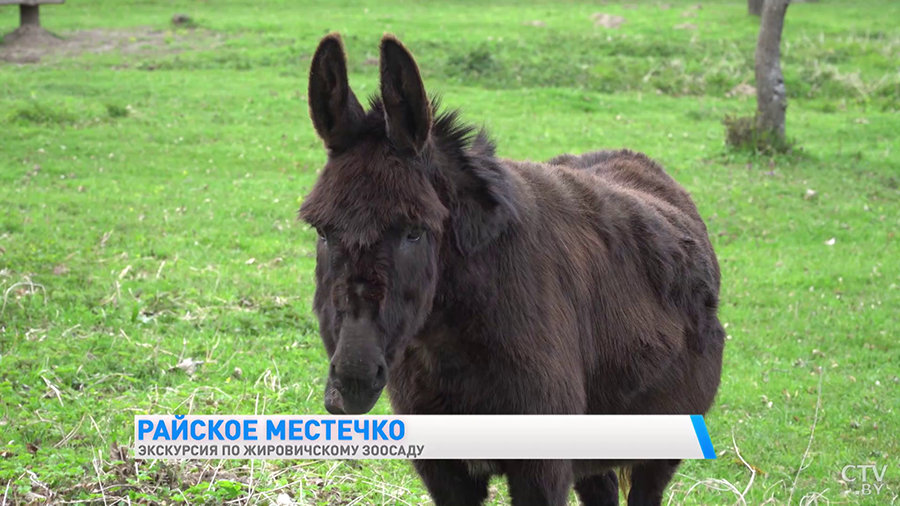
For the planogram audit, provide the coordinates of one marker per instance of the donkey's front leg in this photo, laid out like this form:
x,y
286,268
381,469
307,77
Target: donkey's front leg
x,y
450,484
649,480
539,482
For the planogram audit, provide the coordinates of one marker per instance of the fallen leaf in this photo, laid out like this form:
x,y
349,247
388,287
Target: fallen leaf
x,y
105,238
188,365
34,498
60,269
685,26
536,22
830,242
758,470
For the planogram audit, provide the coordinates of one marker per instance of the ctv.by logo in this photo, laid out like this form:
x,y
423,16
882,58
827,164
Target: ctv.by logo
x,y
864,473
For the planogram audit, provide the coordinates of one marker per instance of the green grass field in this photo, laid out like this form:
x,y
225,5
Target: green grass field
x,y
150,178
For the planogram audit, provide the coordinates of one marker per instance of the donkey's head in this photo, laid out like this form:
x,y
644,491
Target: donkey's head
x,y
400,188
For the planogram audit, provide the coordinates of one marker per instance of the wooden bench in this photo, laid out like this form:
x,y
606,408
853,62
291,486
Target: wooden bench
x,y
29,10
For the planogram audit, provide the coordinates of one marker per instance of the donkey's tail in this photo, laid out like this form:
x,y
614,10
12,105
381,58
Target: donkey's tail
x,y
624,475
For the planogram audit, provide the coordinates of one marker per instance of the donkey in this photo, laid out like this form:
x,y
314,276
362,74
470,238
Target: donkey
x,y
470,284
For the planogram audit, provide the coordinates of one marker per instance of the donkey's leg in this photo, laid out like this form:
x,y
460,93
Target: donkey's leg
x,y
539,482
599,490
649,480
450,484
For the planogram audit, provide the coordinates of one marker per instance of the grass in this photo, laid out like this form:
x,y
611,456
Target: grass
x,y
748,134
148,215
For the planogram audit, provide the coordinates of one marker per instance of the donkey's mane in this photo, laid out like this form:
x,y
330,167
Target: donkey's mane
x,y
451,135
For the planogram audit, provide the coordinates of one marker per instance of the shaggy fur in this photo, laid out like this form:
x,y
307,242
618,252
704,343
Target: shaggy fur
x,y
469,284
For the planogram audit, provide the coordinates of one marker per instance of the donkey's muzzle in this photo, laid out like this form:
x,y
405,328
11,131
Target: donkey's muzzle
x,y
354,388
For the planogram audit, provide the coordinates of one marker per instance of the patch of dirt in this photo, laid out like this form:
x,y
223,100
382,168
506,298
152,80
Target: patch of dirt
x,y
31,44
28,36
181,19
742,90
607,20
691,11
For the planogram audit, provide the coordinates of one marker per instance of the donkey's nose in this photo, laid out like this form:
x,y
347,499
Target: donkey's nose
x,y
380,378
354,387
359,376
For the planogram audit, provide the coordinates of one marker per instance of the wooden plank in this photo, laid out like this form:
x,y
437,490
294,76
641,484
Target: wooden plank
x,y
30,2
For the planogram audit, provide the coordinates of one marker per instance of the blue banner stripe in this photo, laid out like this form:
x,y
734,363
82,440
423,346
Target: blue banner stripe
x,y
703,437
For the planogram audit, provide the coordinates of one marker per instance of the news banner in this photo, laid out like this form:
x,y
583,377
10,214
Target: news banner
x,y
422,437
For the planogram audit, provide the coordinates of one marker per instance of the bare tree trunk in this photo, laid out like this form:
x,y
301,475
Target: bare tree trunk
x,y
771,98
29,15
755,7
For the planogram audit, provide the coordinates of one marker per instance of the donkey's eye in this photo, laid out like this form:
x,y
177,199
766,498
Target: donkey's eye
x,y
321,236
413,235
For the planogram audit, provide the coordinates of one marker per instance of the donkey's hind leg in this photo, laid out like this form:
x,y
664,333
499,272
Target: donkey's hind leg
x,y
539,482
450,484
649,480
599,490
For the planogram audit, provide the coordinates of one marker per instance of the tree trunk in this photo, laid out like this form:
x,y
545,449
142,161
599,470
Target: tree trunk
x,y
29,15
771,98
755,7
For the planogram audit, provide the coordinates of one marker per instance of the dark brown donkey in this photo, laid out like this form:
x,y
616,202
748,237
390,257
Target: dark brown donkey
x,y
470,284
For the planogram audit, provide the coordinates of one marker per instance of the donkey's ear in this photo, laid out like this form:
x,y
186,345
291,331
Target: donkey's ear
x,y
407,109
334,109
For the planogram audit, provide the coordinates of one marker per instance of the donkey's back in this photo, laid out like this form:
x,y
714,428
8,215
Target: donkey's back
x,y
640,279
635,171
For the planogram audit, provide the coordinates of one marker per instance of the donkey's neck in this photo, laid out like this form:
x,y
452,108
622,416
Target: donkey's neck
x,y
469,284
